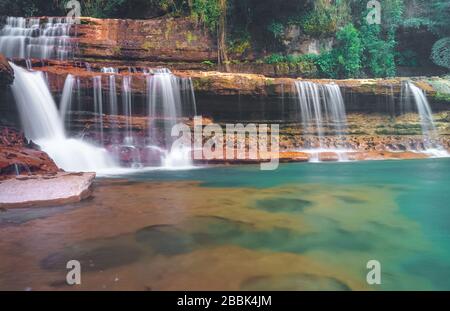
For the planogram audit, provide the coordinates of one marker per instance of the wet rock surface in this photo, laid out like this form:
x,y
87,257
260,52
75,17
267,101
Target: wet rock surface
x,y
18,157
44,190
6,72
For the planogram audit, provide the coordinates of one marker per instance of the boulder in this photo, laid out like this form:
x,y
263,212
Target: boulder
x,y
17,157
62,188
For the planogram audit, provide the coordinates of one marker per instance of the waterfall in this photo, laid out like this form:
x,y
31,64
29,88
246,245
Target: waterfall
x,y
29,64
165,93
42,124
413,99
28,38
126,107
38,112
66,99
322,114
98,105
112,100
188,97
169,98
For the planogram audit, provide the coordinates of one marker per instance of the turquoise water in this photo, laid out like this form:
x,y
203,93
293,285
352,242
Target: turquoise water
x,y
302,227
416,234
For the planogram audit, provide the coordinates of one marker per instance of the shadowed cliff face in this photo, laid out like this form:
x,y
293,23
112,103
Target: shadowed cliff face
x,y
6,72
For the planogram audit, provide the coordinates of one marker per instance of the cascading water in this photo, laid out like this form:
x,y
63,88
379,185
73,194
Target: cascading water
x,y
113,108
323,114
66,99
98,106
127,107
42,124
165,92
29,38
413,99
169,98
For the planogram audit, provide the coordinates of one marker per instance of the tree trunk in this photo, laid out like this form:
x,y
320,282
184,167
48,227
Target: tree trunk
x,y
222,36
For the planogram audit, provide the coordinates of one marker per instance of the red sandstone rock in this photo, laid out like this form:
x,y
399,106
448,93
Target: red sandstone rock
x,y
159,39
229,84
6,72
18,158
385,155
328,157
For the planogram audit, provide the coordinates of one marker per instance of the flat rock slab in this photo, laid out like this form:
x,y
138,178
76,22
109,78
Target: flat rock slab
x,y
32,191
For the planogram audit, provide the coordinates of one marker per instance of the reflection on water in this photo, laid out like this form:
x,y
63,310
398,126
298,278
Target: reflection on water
x,y
303,227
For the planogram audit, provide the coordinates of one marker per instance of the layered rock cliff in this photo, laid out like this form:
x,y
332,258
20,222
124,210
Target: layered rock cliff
x,y
155,40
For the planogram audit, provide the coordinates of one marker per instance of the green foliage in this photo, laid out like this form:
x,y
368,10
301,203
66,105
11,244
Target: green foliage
x,y
277,29
379,54
207,12
326,62
208,63
407,58
344,61
348,52
303,64
317,23
379,41
324,18
276,58
240,44
441,53
444,97
431,14
259,26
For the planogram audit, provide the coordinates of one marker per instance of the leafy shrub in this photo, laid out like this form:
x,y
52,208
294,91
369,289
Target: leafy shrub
x,y
303,64
207,12
276,29
349,51
379,54
317,23
324,18
275,59
326,63
441,53
240,43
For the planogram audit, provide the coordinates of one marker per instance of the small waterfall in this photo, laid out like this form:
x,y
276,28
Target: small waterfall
x,y
66,99
29,64
322,114
98,106
28,38
165,93
42,123
38,112
413,99
188,97
127,109
113,108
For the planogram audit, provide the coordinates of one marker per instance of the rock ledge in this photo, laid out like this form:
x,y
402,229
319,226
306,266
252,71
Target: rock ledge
x,y
43,190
